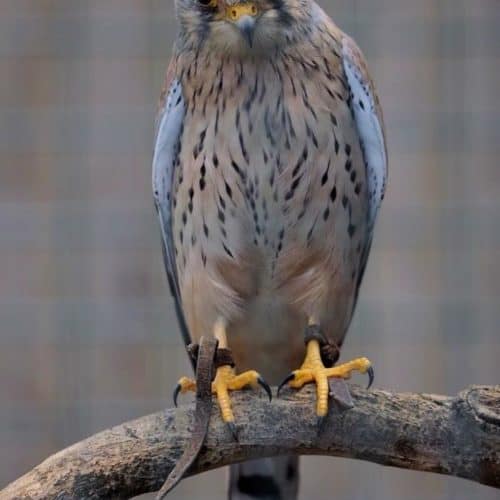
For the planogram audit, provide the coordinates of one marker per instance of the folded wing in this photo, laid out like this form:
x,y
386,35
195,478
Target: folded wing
x,y
165,161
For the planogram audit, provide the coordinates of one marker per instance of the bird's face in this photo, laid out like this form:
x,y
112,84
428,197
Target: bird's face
x,y
236,26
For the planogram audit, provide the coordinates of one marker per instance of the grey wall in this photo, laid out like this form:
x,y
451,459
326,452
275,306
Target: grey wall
x,y
87,331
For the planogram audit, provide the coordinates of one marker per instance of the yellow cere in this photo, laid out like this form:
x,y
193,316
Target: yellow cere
x,y
235,12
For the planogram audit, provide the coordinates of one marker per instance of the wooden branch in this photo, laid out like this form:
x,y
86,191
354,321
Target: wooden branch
x,y
456,436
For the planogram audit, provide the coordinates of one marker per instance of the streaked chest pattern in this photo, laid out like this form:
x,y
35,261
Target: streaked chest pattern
x,y
269,161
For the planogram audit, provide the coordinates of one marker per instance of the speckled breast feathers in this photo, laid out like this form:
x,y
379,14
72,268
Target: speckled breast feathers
x,y
275,188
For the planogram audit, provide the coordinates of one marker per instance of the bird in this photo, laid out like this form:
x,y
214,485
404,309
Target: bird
x,y
269,170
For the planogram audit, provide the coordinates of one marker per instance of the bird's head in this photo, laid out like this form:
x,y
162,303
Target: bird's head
x,y
240,26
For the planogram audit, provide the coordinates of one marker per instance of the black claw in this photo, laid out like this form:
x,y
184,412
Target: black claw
x,y
371,376
177,390
266,387
232,429
320,423
287,379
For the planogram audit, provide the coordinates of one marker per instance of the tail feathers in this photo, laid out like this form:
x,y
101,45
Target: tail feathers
x,y
274,478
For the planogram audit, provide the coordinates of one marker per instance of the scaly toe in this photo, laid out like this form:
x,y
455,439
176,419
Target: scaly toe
x,y
227,381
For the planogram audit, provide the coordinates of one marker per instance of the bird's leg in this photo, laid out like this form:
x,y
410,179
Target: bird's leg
x,y
226,379
314,370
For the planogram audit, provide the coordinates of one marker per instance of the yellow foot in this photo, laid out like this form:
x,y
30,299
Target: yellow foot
x,y
313,370
225,380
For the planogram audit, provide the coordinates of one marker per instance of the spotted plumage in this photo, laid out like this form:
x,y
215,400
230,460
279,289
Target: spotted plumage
x,y
270,166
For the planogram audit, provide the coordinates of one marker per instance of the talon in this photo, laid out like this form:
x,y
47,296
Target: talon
x,y
177,390
329,381
289,378
371,376
266,387
232,429
185,384
226,381
320,423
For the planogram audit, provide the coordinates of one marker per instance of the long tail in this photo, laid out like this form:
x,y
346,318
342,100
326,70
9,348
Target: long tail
x,y
274,478
278,349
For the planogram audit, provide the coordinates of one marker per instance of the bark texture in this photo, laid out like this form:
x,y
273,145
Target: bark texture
x,y
458,436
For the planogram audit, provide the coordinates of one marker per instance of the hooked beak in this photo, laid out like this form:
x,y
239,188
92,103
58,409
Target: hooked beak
x,y
246,25
243,15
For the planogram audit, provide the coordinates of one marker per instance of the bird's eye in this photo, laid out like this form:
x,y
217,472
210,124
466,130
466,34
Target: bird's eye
x,y
208,3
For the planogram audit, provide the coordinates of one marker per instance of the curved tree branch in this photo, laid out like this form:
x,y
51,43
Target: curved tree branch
x,y
457,436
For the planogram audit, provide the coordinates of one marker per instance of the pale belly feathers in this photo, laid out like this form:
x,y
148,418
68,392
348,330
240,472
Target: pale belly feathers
x,y
270,210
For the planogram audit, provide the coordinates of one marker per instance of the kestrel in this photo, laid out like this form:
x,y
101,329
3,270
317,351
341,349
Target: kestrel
x,y
269,169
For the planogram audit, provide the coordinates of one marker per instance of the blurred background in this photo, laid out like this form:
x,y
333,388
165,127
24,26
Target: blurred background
x,y
88,337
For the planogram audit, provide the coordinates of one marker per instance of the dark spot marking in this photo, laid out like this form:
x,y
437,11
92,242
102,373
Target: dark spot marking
x,y
199,147
290,126
300,162
227,251
324,179
216,126
333,194
244,151
222,202
264,156
295,183
237,122
268,127
311,135
238,170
